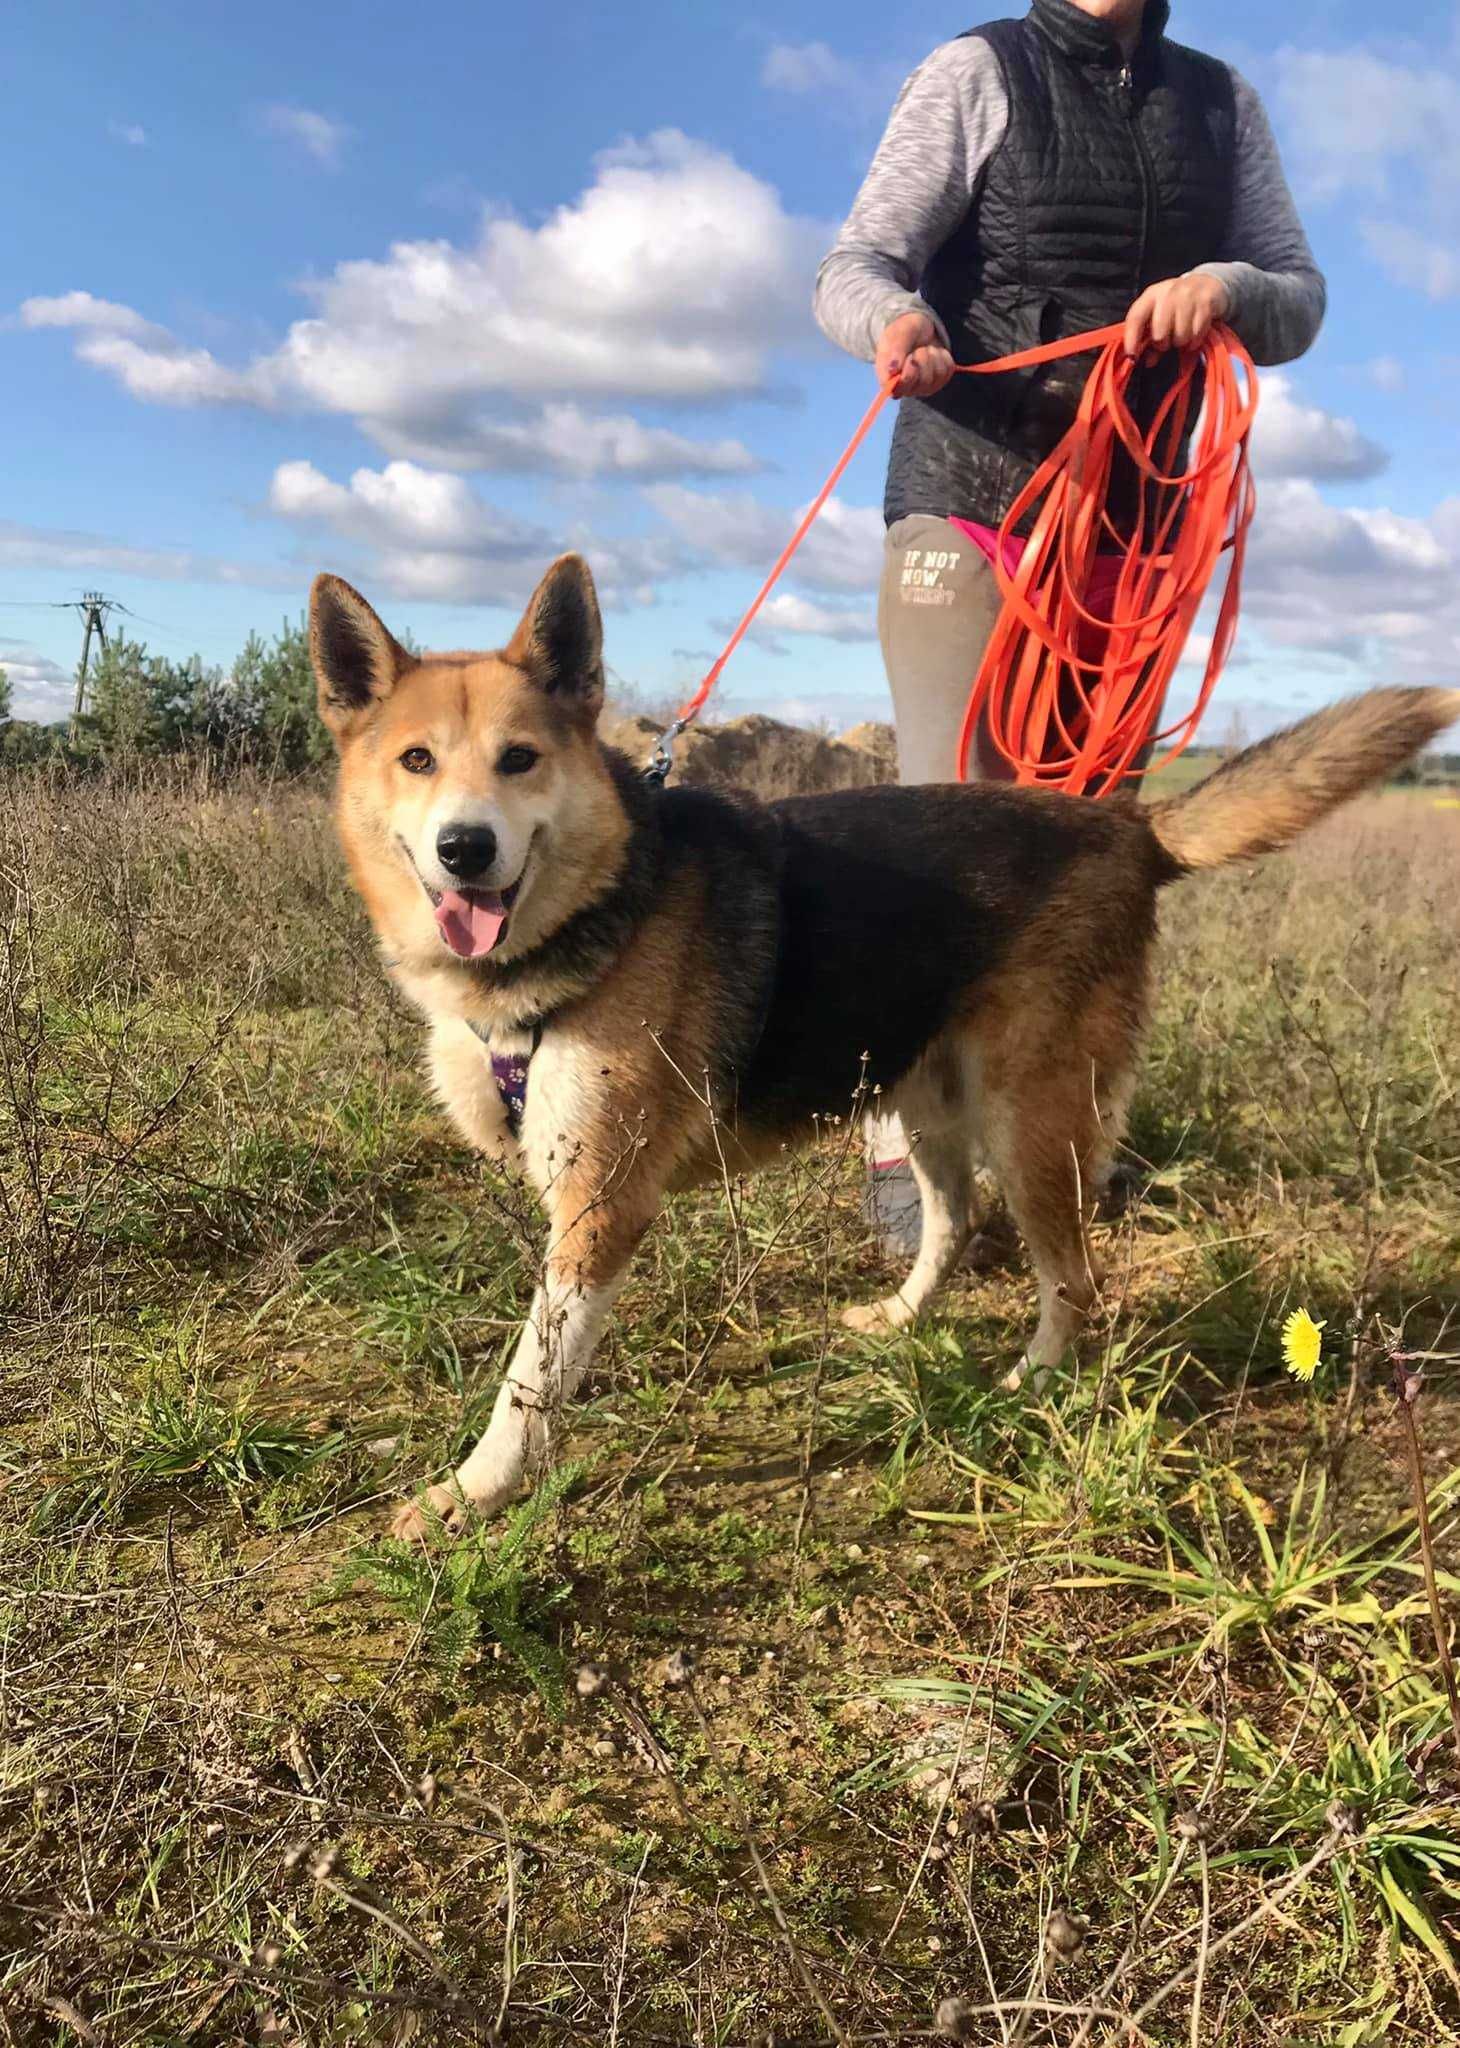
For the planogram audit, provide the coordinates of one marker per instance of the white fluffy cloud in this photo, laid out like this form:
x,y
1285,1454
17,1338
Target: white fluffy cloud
x,y
132,133
1378,588
670,277
39,687
1371,127
802,68
316,134
427,535
564,440
1293,439
145,359
1423,262
89,554
88,315
787,614
673,277
842,552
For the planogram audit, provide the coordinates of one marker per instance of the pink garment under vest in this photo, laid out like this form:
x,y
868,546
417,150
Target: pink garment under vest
x,y
1100,597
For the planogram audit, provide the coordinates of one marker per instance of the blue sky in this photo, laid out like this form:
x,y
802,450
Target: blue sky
x,y
423,294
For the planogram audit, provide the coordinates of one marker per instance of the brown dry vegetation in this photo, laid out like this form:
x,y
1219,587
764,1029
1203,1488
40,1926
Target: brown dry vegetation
x,y
1116,1710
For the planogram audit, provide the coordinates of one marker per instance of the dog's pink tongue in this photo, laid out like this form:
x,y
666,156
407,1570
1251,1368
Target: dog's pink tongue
x,y
470,925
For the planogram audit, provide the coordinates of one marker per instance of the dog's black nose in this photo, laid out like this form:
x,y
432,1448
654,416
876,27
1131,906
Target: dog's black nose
x,y
466,850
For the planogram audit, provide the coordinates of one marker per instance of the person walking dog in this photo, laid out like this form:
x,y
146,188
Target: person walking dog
x,y
1038,178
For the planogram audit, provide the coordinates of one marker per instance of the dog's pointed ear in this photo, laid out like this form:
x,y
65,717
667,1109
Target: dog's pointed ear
x,y
560,640
357,660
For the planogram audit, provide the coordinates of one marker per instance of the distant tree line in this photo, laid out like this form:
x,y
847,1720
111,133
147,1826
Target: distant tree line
x,y
258,712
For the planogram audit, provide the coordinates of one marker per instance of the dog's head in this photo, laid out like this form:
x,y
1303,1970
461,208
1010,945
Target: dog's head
x,y
474,802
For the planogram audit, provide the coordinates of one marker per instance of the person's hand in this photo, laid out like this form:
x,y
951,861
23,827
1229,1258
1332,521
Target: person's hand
x,y
1177,313
911,357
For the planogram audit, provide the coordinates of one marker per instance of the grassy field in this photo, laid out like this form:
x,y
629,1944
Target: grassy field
x,y
830,1686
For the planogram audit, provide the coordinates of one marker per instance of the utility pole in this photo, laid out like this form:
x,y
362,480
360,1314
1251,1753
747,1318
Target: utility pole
x,y
93,608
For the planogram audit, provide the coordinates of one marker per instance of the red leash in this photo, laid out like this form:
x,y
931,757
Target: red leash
x,y
1070,700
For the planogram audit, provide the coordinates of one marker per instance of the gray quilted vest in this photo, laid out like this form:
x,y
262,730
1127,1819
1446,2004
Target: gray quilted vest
x,y
1110,176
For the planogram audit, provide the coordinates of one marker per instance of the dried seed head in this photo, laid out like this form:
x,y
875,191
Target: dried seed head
x,y
679,1669
1191,1827
269,1954
323,1866
1065,1934
589,1680
955,2019
1409,1377
295,1856
427,1789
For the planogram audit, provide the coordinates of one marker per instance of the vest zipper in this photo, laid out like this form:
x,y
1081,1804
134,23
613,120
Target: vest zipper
x,y
1126,87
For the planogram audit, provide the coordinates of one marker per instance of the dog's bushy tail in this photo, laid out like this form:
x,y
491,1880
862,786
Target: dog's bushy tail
x,y
1277,789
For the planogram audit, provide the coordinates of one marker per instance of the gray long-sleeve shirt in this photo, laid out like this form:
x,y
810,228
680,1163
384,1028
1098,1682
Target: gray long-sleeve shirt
x,y
948,121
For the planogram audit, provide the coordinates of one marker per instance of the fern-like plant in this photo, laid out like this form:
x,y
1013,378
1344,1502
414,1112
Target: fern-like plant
x,y
499,1586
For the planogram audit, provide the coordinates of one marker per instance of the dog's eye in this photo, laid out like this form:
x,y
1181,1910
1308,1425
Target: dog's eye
x,y
517,760
418,760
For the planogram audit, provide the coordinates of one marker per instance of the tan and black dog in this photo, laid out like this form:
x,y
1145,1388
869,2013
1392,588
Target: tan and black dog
x,y
630,988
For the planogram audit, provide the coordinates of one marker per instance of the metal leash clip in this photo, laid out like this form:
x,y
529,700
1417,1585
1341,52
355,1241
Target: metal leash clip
x,y
661,761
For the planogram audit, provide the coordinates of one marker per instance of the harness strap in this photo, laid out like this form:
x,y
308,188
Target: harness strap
x,y
509,1071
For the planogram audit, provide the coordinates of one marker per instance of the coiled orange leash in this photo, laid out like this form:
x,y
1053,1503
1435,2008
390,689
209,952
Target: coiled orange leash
x,y
1070,698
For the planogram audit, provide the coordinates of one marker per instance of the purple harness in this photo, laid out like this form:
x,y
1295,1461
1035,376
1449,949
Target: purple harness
x,y
509,1071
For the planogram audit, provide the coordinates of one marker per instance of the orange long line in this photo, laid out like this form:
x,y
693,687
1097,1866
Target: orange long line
x,y
1072,700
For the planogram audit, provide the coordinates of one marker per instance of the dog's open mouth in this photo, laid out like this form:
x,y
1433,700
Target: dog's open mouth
x,y
472,921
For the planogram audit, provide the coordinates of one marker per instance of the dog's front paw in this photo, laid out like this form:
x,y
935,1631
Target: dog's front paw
x,y
413,1519
875,1318
1025,1374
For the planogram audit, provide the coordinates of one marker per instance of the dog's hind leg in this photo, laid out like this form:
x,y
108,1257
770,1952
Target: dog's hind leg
x,y
1049,1153
943,1168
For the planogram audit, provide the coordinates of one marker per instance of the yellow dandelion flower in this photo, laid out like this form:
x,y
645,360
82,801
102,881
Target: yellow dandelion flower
x,y
1302,1344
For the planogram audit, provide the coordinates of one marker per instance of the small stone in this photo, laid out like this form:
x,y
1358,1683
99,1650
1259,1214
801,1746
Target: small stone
x,y
384,1447
269,1954
937,1853
605,1748
589,1680
935,1946
955,2019
855,1553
